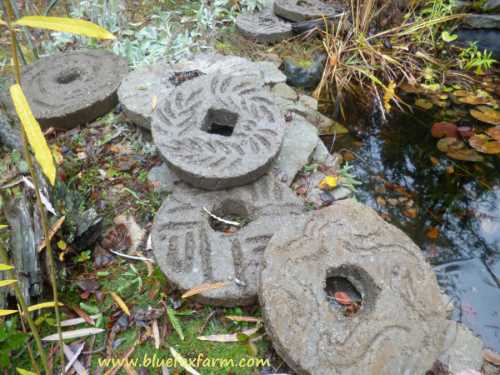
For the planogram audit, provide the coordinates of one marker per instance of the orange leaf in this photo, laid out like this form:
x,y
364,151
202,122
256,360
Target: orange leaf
x,y
343,298
432,233
202,288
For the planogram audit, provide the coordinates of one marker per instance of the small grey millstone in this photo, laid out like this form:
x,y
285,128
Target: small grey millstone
x,y
141,91
191,253
73,88
401,325
263,26
463,350
302,10
187,127
299,143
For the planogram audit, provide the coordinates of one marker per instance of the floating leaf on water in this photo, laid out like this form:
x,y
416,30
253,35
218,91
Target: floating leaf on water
x,y
486,114
475,100
448,144
464,154
424,104
494,133
444,129
485,144
447,37
465,131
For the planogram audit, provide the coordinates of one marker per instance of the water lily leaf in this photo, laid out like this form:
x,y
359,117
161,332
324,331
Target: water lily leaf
x,y
444,129
475,100
486,114
465,131
485,144
447,37
465,154
449,143
494,133
424,104
67,25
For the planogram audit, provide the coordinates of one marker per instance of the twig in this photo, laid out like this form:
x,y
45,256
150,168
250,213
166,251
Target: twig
x,y
133,257
229,222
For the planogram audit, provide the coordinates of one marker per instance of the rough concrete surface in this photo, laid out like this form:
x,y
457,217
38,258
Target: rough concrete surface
x,y
263,26
302,10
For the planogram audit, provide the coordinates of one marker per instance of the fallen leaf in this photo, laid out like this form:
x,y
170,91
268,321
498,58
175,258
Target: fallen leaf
x,y
73,359
434,160
76,321
389,95
7,282
203,288
410,213
328,183
485,144
7,312
175,322
84,332
135,232
119,301
24,372
6,267
491,356
343,298
52,231
486,114
444,129
432,233
43,305
156,334
249,319
231,337
183,362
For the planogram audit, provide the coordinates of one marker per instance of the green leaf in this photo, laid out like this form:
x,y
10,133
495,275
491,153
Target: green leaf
x,y
7,312
183,362
34,133
175,322
7,282
24,372
67,25
447,37
6,267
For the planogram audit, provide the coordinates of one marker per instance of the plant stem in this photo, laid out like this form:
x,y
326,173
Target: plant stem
x,y
43,214
24,309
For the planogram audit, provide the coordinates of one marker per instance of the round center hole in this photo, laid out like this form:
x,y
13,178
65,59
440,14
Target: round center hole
x,y
229,216
343,295
68,77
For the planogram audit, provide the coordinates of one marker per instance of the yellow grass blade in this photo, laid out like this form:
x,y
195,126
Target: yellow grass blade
x,y
7,312
22,371
120,303
42,305
7,283
3,226
6,267
33,132
67,25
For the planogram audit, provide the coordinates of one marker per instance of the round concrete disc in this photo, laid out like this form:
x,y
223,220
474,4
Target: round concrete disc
x,y
141,91
191,252
302,10
397,328
73,88
218,131
263,26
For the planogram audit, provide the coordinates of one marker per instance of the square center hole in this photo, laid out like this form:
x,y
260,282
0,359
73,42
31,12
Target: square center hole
x,y
220,121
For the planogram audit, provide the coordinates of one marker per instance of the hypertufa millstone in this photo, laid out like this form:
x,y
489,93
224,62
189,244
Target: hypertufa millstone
x,y
263,26
302,10
219,131
73,88
398,323
192,248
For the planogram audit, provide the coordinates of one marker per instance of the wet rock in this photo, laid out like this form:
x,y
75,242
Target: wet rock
x,y
395,322
299,143
141,91
463,350
491,6
323,123
284,91
341,193
73,88
482,21
305,76
487,39
218,131
192,248
263,26
163,179
301,10
308,101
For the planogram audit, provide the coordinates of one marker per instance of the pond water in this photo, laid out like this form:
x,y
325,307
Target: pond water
x,y
451,209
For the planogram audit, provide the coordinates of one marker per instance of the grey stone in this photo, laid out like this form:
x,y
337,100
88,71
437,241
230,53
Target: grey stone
x,y
190,252
401,324
463,350
10,135
263,26
284,91
308,101
491,6
163,179
341,193
218,131
73,88
299,143
141,91
482,21
321,153
214,63
301,10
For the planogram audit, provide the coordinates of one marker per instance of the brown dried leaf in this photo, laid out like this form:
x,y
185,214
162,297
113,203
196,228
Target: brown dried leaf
x,y
52,231
232,337
120,303
249,319
203,288
491,356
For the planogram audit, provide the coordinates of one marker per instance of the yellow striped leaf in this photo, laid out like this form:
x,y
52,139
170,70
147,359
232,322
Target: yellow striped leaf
x,y
7,312
42,305
34,133
6,267
120,303
7,282
67,25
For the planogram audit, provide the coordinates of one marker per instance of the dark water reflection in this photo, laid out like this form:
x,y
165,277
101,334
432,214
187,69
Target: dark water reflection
x,y
409,182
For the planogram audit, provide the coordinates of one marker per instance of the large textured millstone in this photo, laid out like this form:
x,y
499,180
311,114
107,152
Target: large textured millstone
x,y
400,325
191,249
73,88
302,10
218,131
263,26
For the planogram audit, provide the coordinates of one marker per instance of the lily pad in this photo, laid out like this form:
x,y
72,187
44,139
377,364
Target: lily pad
x,y
444,129
465,154
486,114
494,133
449,144
424,104
484,144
